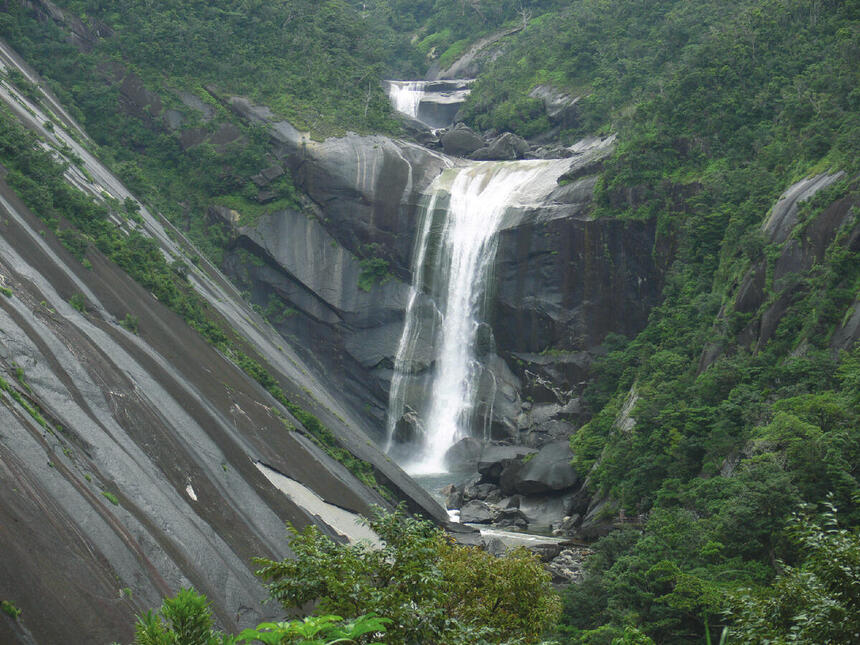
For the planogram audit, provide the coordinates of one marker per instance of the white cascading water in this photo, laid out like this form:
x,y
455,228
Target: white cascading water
x,y
456,278
406,96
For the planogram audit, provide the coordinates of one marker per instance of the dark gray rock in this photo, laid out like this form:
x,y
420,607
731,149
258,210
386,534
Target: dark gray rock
x,y
479,491
510,476
464,455
470,487
848,333
546,551
549,470
494,458
495,546
453,496
510,518
550,281
476,512
600,518
543,511
461,141
506,147
751,293
408,428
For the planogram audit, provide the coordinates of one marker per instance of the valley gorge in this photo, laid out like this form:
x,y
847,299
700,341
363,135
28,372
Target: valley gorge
x,y
525,305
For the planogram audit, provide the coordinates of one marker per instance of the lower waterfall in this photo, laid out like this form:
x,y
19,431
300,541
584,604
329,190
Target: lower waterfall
x,y
452,265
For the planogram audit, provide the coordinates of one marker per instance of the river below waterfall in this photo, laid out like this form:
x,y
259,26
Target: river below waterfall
x,y
434,484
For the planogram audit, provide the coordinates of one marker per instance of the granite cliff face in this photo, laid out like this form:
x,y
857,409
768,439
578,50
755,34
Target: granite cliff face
x,y
134,457
562,280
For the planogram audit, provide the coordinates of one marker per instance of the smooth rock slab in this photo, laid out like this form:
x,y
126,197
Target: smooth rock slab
x,y
549,470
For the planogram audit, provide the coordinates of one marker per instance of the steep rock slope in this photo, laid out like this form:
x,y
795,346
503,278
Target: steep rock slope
x,y
129,450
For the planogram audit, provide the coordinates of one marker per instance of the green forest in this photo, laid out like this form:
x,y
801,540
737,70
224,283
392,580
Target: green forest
x,y
740,475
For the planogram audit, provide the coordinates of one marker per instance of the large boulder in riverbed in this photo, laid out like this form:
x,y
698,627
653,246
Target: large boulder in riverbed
x,y
476,512
548,471
461,141
463,456
506,147
495,457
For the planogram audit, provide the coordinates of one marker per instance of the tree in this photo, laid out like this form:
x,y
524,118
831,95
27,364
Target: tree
x,y
186,619
815,602
431,590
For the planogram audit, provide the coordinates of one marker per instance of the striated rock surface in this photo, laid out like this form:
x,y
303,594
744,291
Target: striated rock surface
x,y
132,458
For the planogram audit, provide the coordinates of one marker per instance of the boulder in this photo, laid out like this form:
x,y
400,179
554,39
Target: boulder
x,y
476,512
510,518
453,496
510,477
495,457
543,511
549,470
408,428
546,551
463,455
495,546
506,147
478,491
461,141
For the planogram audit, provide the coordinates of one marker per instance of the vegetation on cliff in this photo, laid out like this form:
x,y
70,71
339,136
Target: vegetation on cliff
x,y
416,587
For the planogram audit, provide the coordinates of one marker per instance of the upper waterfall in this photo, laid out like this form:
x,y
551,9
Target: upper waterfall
x,y
433,103
406,96
452,265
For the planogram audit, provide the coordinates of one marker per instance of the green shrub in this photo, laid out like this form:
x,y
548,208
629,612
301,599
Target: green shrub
x,y
78,302
9,608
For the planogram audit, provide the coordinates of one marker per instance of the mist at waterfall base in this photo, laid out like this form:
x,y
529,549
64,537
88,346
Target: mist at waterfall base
x,y
453,259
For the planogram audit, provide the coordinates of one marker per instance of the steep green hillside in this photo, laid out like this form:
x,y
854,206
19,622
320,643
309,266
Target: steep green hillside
x,y
140,77
737,403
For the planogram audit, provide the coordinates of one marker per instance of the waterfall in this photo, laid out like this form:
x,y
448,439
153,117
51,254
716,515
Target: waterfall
x,y
452,265
406,96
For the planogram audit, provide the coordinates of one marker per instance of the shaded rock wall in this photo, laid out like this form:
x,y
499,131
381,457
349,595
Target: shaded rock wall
x,y
562,280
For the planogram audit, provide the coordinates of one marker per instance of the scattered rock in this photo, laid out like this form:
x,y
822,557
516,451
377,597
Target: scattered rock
x,y
506,147
476,512
453,496
568,566
461,141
